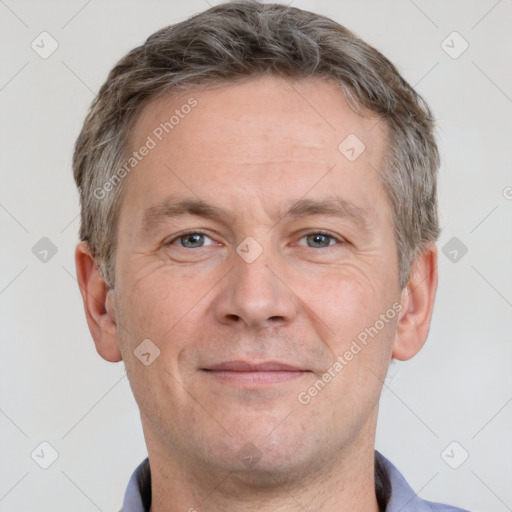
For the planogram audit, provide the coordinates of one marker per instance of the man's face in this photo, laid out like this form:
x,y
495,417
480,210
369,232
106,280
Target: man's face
x,y
247,241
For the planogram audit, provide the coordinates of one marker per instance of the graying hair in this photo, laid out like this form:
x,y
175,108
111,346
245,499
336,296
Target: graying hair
x,y
237,41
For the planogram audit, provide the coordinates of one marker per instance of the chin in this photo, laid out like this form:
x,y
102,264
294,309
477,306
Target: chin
x,y
268,461
268,472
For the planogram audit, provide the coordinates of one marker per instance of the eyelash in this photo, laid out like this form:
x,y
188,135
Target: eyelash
x,y
338,240
187,233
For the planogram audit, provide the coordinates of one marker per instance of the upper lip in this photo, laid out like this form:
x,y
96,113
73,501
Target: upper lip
x,y
246,366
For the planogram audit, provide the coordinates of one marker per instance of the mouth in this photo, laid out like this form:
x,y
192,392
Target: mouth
x,y
249,374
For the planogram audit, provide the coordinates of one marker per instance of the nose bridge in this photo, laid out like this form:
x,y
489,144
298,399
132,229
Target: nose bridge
x,y
254,293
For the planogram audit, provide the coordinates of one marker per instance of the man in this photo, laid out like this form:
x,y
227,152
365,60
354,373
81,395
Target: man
x,y
259,216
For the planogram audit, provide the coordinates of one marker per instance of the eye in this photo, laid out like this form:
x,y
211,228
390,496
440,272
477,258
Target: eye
x,y
318,240
192,240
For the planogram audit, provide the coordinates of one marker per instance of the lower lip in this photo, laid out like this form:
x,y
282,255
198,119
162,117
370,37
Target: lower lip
x,y
256,378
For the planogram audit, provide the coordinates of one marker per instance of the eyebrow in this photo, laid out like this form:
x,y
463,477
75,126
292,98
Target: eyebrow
x,y
171,208
336,206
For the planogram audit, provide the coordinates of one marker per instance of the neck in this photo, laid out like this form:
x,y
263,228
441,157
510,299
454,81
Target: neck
x,y
341,484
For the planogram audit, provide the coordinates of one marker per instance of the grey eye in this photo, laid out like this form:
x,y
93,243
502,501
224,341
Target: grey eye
x,y
192,240
319,240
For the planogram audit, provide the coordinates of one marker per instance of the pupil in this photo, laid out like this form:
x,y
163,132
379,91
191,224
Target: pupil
x,y
193,240
319,240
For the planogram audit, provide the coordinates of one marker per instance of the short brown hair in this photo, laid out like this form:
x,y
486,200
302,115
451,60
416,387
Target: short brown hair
x,y
236,41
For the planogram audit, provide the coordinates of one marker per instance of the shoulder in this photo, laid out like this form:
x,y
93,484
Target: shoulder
x,y
137,497
440,507
403,498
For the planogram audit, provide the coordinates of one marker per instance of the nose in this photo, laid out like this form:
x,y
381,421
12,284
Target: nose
x,y
256,295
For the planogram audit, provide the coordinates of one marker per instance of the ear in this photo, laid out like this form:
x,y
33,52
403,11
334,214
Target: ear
x,y
418,303
99,304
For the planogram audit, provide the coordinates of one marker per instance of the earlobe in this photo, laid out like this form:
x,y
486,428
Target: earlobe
x,y
418,301
99,304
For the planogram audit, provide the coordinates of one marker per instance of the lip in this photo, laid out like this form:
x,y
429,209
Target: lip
x,y
246,366
250,374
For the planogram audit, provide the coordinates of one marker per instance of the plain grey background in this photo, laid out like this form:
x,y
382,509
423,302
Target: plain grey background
x,y
454,400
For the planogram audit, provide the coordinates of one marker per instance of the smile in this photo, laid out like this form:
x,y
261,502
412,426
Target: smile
x,y
243,373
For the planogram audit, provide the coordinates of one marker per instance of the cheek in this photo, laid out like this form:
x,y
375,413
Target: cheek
x,y
154,304
353,380
170,311
152,310
349,300
359,318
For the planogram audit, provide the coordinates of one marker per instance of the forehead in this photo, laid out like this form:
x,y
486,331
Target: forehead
x,y
312,111
265,136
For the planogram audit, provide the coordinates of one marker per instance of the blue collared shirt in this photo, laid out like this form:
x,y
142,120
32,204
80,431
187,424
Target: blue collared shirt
x,y
397,495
